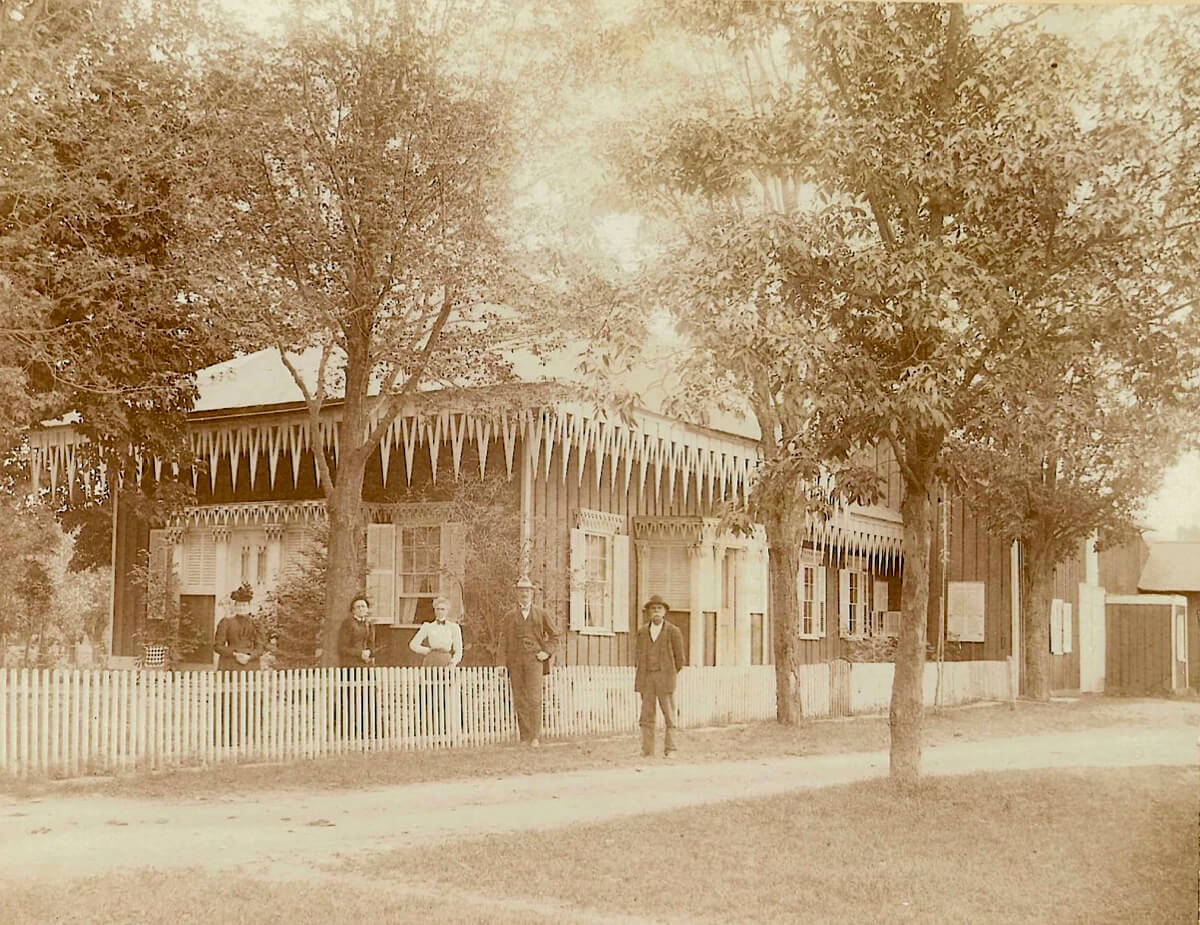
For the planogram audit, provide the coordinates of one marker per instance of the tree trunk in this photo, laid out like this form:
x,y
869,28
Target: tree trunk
x,y
785,617
908,704
346,570
1037,590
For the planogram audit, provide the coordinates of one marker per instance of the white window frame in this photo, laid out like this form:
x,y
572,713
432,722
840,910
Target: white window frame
x,y
617,567
400,546
385,557
812,611
854,611
603,595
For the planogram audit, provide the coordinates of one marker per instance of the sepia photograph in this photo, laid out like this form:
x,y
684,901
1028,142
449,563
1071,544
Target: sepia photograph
x,y
599,461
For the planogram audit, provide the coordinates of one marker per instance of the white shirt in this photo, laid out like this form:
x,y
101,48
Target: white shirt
x,y
655,630
444,637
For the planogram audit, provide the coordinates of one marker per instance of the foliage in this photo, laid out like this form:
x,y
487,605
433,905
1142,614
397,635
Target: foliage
x,y
360,215
166,622
890,220
46,606
494,560
101,318
295,610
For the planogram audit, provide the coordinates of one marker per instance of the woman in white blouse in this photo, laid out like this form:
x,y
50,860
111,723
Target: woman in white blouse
x,y
441,640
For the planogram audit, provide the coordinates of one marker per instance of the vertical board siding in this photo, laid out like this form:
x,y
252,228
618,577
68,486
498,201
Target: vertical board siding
x,y
1138,644
67,723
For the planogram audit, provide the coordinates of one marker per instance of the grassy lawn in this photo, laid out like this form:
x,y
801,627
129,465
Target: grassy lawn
x,y
1095,847
204,899
720,744
1112,846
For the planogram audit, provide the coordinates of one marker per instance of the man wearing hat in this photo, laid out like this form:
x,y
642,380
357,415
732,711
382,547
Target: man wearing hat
x,y
528,641
659,658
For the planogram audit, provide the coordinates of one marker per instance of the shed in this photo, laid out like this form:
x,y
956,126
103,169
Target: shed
x,y
1147,651
1173,567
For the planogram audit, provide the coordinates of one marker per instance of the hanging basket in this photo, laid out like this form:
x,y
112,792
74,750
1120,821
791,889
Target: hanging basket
x,y
154,656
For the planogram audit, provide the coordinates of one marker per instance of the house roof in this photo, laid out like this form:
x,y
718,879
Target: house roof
x,y
260,380
1171,566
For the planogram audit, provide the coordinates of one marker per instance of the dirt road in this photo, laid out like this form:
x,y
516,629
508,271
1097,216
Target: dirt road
x,y
289,834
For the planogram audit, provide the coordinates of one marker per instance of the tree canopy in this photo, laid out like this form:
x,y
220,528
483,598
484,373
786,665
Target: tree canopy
x,y
891,220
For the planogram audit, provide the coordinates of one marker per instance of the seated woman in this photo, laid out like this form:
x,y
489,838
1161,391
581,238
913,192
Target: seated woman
x,y
440,642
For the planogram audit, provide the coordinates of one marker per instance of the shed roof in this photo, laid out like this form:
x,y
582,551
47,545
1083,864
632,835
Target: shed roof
x,y
1171,566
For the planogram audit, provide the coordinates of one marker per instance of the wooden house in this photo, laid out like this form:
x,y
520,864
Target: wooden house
x,y
625,509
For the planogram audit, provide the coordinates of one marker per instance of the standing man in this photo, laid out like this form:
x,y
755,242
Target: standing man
x,y
356,635
529,639
659,658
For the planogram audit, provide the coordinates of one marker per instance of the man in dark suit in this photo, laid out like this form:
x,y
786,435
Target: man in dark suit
x,y
529,639
659,658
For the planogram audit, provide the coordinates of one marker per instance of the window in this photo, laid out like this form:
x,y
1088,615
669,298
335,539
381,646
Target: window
x,y
756,639
854,602
408,565
600,564
810,588
419,570
597,595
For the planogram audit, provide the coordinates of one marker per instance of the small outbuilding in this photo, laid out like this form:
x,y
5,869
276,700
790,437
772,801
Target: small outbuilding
x,y
1147,643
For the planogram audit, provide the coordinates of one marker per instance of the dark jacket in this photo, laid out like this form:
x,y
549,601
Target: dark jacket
x,y
658,660
237,634
524,638
353,637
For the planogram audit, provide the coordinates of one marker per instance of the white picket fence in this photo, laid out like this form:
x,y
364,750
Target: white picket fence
x,y
68,723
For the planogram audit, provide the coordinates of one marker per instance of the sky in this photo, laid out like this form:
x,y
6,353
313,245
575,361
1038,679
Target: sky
x,y
1177,503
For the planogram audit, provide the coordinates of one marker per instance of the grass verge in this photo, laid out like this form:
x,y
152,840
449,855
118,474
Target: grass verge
x,y
732,743
1097,847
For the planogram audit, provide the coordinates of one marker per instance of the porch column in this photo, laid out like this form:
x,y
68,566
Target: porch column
x,y
274,553
221,586
174,538
698,553
743,582
527,476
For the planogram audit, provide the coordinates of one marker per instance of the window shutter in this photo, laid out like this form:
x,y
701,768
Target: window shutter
x,y
620,584
199,562
1056,627
454,566
668,574
844,601
891,623
578,578
879,599
381,571
1066,627
297,547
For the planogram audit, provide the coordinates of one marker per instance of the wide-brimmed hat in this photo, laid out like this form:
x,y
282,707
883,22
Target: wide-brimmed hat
x,y
655,599
524,582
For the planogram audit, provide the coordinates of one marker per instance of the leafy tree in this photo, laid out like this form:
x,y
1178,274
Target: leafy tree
x,y
1077,455
890,216
361,219
98,179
